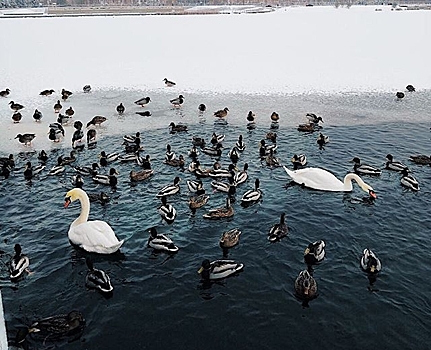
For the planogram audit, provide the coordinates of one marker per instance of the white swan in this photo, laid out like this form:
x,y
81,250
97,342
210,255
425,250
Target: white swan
x,y
320,179
93,236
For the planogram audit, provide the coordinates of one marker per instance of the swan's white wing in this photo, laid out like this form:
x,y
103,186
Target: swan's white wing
x,y
316,178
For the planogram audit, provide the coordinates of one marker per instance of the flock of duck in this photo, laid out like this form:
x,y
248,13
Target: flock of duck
x,y
96,236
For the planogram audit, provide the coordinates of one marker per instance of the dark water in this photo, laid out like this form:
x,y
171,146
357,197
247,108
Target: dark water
x,y
159,301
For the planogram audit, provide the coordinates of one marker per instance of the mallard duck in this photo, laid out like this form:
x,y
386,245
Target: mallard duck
x,y
160,242
77,181
105,158
217,139
176,162
120,109
271,160
92,236
15,106
222,113
177,128
63,119
97,279
143,101
271,136
57,107
141,175
222,212
70,159
86,88
145,163
315,252
66,93
167,211
198,201
96,120
25,138
91,138
144,113
305,286
134,139
230,238
195,186
86,170
364,169
57,169
128,157
251,123
313,118
9,161
219,269
298,160
19,263
369,262
410,88
170,190
240,145
55,327
42,156
69,112
31,171
202,107
396,166
16,117
177,102
421,159
222,173
322,140
278,230
234,155
101,197
275,117
213,151
4,93
264,149
308,127
224,186
252,196
37,115
199,171
169,83
400,95
193,152
241,176
110,179
409,181
198,141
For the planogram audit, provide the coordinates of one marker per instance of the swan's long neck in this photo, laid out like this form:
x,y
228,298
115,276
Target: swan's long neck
x,y
348,182
85,209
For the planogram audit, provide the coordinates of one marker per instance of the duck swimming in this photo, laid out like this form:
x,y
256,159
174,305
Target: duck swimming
x,y
141,175
230,238
396,166
305,286
240,145
219,213
369,262
177,128
161,242
198,201
97,279
320,179
315,252
409,181
167,211
421,159
219,269
241,176
279,230
170,190
252,196
298,160
177,102
312,118
110,179
19,263
364,169
92,236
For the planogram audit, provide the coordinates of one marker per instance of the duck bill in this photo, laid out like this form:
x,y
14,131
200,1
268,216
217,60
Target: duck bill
x,y
200,270
67,201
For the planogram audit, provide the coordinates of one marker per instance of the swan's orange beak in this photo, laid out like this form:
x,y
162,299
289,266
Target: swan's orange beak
x,y
372,194
67,201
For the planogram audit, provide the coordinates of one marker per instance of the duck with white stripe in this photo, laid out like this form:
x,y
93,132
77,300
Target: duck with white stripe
x,y
170,190
240,145
279,230
370,262
97,279
167,211
241,176
315,252
219,269
19,263
298,160
59,168
252,196
110,179
364,169
396,166
409,181
161,242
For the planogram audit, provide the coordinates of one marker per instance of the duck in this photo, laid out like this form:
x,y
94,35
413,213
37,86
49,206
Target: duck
x,y
305,286
57,107
96,120
110,179
105,158
241,176
213,151
230,238
271,160
66,93
400,95
145,163
4,93
219,269
30,171
279,230
217,172
252,196
161,242
128,157
177,102
410,88
19,263
120,109
86,88
70,159
308,127
143,101
167,211
97,279
92,236
69,112
222,212
5,171
421,159
91,138
134,139
9,161
275,117
37,115
313,118
323,180
298,160
195,186
78,125
198,201
42,156
169,155
77,181
141,175
222,113
169,83
57,169
63,118
55,134
251,123
265,149
217,138
227,187
240,145
233,154
364,169
16,117
315,252
25,138
370,263
87,170
322,140
177,128
198,141
193,152
271,136
100,197
170,190
144,113
202,108
409,181
15,106
396,166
